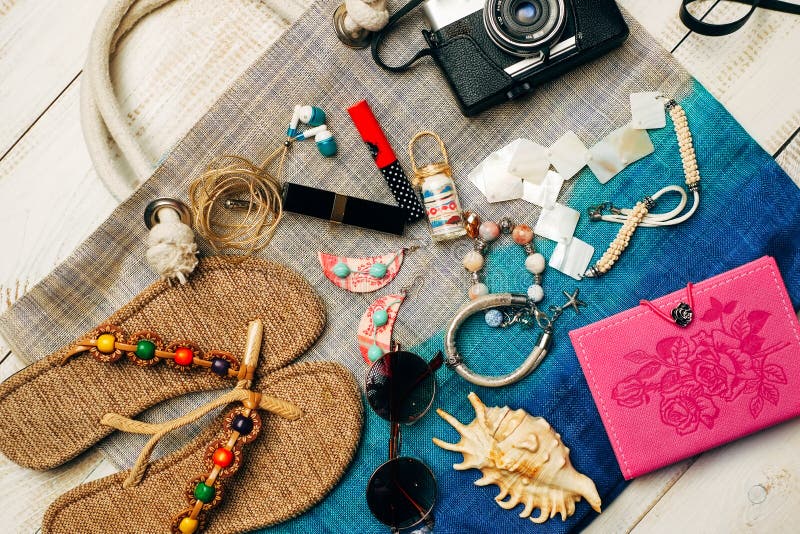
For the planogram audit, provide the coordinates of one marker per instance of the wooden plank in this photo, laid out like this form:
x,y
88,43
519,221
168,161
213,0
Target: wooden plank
x,y
755,72
751,485
661,18
42,49
49,195
26,494
637,500
789,159
10,363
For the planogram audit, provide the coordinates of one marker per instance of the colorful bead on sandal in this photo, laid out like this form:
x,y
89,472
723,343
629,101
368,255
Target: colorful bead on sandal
x,y
223,459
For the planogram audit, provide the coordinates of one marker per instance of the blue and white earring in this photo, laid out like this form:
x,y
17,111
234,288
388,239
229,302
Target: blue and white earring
x,y
326,144
377,323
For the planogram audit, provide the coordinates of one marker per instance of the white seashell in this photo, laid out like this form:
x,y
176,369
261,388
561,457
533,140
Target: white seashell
x,y
478,175
572,258
492,178
501,185
529,161
557,223
524,457
544,194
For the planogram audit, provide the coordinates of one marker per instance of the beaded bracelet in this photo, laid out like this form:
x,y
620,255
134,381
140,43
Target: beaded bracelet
x,y
484,233
108,342
640,214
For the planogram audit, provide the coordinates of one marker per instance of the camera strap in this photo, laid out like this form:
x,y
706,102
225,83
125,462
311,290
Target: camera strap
x,y
715,30
377,38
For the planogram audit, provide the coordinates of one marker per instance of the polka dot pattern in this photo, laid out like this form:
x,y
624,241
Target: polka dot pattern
x,y
405,195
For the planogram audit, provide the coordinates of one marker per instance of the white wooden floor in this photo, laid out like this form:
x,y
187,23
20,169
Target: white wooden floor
x,y
172,68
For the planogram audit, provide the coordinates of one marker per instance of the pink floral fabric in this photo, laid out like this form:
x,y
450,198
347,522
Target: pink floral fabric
x,y
666,392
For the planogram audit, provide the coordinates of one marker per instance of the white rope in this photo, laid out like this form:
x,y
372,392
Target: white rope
x,y
669,218
171,250
370,15
102,117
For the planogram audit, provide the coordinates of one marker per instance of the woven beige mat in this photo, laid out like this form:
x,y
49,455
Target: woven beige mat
x,y
308,65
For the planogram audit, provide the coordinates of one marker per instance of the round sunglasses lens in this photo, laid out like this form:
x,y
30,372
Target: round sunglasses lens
x,y
401,492
400,386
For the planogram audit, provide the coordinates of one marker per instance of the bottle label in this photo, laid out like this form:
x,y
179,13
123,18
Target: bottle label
x,y
442,207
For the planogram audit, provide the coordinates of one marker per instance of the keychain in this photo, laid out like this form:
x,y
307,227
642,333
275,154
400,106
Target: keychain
x,y
435,182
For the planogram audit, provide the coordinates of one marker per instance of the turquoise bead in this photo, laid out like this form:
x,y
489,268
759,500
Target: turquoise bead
x,y
341,270
374,352
380,318
378,270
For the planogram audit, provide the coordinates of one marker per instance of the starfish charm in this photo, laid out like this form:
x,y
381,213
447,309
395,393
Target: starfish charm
x,y
573,300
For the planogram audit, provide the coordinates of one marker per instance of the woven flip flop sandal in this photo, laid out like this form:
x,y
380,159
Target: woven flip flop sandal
x,y
270,456
168,341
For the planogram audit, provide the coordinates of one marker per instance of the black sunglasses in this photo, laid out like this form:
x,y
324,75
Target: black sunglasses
x,y
400,387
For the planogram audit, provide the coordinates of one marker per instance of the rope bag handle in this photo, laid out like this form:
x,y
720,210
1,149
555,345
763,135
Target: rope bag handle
x,y
101,115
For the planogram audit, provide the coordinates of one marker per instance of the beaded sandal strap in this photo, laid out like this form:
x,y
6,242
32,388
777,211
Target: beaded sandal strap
x,y
108,342
223,456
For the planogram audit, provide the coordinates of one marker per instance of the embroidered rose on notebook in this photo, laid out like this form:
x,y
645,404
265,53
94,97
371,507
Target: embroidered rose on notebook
x,y
685,412
693,377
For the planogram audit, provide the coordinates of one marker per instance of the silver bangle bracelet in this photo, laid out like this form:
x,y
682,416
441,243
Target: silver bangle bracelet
x,y
455,361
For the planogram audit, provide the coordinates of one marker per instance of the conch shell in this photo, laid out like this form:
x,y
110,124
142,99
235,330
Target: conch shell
x,y
524,457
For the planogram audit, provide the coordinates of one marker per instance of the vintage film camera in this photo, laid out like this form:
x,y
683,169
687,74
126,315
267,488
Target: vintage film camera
x,y
492,51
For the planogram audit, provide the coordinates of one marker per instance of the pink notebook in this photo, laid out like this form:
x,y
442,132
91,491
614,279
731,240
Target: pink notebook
x,y
667,392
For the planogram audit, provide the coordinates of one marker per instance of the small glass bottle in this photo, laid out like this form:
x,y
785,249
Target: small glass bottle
x,y
439,194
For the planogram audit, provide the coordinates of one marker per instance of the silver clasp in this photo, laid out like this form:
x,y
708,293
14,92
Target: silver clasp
x,y
524,316
596,212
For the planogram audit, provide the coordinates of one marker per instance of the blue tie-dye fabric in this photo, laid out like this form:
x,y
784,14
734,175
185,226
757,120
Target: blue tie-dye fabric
x,y
749,208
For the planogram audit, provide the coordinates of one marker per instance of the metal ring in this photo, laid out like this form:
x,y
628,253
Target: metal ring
x,y
455,360
358,41
151,211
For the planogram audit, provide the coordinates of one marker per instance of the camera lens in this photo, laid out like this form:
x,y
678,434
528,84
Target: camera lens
x,y
525,13
523,27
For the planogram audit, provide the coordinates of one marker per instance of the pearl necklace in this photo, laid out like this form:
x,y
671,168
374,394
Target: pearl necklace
x,y
484,233
640,214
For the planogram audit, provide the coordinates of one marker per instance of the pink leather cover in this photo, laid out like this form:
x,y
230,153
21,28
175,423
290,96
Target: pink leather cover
x,y
666,393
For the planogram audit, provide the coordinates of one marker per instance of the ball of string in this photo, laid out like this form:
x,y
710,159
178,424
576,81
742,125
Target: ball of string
x,y
245,230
